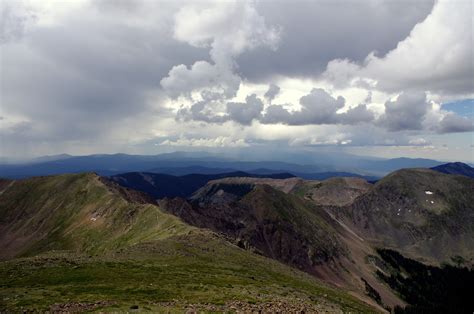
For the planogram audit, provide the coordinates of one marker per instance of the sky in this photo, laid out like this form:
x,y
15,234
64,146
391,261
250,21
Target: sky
x,y
370,77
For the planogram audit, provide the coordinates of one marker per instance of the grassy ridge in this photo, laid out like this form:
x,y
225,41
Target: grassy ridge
x,y
198,268
78,213
77,242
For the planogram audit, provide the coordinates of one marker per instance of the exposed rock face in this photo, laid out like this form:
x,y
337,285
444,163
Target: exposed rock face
x,y
262,218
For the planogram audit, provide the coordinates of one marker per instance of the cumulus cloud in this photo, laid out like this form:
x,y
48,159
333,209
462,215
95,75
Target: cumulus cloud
x,y
318,107
227,29
245,113
272,92
356,115
452,123
202,75
316,32
436,57
406,112
409,111
241,112
88,76
412,111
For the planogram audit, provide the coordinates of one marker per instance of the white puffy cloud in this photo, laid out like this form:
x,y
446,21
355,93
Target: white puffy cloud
x,y
435,57
227,29
202,75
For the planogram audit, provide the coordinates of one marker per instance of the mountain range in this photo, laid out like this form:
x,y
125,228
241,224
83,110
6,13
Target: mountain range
x,y
238,242
309,165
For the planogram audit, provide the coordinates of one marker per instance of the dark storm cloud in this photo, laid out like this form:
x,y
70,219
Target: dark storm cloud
x,y
452,123
318,107
83,77
316,32
245,113
272,92
356,115
406,112
242,113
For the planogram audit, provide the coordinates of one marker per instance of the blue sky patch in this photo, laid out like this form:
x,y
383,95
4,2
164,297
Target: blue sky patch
x,y
462,107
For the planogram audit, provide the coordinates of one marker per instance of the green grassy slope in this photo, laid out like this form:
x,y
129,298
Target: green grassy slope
x,y
133,255
75,212
199,269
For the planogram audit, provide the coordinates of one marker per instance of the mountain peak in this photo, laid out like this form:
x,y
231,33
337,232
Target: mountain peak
x,y
458,168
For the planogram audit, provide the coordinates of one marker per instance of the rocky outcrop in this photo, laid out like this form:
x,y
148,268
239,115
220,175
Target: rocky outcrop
x,y
263,219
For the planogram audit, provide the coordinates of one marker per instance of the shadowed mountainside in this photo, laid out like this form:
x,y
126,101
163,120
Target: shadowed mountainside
x,y
421,212
161,185
258,216
458,168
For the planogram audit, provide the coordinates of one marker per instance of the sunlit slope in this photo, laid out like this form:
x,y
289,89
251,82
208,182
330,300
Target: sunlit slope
x,y
199,270
76,212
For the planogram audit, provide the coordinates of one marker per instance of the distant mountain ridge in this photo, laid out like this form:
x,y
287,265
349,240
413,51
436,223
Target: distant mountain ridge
x,y
181,163
458,168
164,185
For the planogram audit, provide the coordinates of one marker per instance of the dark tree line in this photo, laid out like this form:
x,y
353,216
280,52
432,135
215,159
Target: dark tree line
x,y
429,289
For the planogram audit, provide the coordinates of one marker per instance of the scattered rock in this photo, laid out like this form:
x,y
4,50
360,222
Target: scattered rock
x,y
74,307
